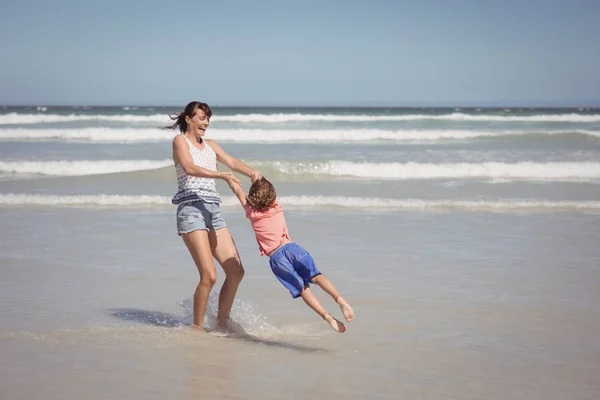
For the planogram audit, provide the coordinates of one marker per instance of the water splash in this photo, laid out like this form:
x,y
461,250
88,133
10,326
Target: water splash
x,y
242,313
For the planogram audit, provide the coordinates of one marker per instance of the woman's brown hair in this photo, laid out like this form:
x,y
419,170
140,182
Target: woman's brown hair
x,y
190,111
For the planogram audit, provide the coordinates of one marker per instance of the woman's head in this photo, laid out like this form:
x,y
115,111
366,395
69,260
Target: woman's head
x,y
262,195
196,116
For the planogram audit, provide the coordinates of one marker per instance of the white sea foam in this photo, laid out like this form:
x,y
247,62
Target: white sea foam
x,y
498,172
372,204
131,135
79,168
369,135
101,134
12,199
278,118
529,171
19,118
423,204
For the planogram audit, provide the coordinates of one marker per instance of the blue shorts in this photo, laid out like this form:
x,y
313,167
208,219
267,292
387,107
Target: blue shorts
x,y
199,215
294,267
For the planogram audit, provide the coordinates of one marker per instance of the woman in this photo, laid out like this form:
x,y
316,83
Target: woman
x,y
199,219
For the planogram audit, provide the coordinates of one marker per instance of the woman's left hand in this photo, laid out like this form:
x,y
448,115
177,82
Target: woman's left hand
x,y
256,175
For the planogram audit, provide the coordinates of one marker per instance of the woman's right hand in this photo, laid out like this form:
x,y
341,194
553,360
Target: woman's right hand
x,y
255,176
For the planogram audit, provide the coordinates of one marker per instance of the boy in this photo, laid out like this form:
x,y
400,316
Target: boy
x,y
291,264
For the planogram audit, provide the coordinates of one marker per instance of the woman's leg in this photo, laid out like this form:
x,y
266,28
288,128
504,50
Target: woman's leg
x,y
225,252
198,244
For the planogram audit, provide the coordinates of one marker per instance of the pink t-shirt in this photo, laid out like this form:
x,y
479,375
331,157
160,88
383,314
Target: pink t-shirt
x,y
269,227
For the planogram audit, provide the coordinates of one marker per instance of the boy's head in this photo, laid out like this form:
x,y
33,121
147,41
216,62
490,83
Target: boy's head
x,y
261,195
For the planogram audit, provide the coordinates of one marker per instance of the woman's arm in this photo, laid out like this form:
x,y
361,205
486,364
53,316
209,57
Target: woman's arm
x,y
233,163
181,154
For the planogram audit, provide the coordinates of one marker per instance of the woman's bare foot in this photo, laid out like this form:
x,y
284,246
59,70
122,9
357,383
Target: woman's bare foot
x,y
197,328
231,327
335,324
346,309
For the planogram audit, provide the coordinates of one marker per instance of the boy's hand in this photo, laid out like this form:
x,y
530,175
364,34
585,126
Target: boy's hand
x,y
230,178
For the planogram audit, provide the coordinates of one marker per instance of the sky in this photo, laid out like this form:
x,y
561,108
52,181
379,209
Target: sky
x,y
300,53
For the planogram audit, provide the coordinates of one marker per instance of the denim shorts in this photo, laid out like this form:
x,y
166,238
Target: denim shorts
x,y
294,267
199,215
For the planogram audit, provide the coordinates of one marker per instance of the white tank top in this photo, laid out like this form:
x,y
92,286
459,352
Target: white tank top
x,y
193,188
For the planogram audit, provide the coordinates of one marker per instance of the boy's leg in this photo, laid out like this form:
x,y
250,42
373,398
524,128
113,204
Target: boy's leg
x,y
328,287
310,299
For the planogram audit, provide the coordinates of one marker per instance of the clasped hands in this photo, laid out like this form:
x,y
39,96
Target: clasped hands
x,y
231,179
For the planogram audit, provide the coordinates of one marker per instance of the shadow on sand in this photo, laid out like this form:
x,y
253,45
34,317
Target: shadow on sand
x,y
165,320
155,318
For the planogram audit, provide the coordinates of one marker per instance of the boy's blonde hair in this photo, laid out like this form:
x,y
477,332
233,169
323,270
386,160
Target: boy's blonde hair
x,y
261,195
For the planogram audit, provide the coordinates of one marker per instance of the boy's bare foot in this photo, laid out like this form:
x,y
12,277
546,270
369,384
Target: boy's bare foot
x,y
335,324
197,328
346,309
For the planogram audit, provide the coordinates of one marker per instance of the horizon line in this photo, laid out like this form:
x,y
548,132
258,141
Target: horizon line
x,y
594,104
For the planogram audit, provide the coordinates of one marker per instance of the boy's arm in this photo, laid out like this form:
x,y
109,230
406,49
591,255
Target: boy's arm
x,y
239,192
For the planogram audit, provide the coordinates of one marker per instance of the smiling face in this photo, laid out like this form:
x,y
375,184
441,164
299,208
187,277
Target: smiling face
x,y
198,123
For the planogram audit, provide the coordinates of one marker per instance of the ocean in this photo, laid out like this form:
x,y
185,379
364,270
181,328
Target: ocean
x,y
465,239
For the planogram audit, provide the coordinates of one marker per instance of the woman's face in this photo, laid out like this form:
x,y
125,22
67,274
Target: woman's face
x,y
198,124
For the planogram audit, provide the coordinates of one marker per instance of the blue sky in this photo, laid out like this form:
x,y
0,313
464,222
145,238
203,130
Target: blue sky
x,y
304,53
